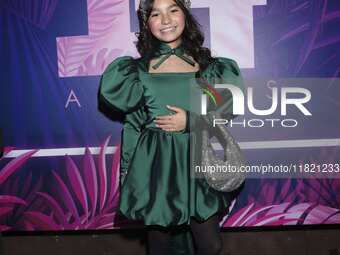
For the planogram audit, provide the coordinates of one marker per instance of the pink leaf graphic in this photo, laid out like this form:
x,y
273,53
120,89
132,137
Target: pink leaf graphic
x,y
335,219
83,55
319,213
253,213
297,211
12,200
31,196
67,197
55,207
279,222
14,164
4,228
42,221
63,207
278,208
77,183
7,149
5,209
268,219
90,176
234,220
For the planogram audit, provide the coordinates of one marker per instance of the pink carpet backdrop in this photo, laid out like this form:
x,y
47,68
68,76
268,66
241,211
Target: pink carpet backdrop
x,y
60,169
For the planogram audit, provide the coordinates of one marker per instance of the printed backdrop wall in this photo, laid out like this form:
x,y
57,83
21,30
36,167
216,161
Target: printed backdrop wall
x,y
59,171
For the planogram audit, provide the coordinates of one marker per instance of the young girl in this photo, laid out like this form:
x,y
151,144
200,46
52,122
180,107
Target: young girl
x,y
150,96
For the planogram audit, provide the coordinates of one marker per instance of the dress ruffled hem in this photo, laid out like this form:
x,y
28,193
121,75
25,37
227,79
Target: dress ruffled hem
x,y
161,191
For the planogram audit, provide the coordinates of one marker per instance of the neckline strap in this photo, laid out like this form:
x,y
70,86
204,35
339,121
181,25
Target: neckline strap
x,y
165,49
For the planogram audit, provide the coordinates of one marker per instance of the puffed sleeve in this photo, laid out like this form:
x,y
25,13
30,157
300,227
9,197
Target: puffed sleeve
x,y
120,89
223,70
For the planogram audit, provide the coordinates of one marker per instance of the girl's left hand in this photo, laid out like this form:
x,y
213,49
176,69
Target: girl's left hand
x,y
172,122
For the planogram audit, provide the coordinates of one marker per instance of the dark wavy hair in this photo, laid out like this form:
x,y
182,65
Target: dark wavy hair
x,y
192,37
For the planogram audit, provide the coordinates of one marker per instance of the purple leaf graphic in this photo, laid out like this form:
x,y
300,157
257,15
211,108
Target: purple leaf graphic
x,y
269,219
102,174
335,219
63,207
84,55
11,199
277,215
5,210
297,211
42,221
90,176
67,197
55,207
239,215
14,164
77,183
7,149
319,214
278,208
279,222
14,199
31,196
4,228
254,213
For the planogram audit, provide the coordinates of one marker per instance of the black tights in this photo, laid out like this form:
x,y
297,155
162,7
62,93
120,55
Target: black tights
x,y
207,238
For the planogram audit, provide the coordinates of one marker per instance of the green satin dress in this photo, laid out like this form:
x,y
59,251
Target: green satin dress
x,y
157,187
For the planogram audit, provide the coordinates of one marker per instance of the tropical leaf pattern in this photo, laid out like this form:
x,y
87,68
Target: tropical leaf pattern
x,y
14,199
292,38
86,197
90,54
81,198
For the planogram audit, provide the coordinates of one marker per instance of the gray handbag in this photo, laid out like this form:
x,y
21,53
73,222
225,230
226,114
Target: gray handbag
x,y
228,174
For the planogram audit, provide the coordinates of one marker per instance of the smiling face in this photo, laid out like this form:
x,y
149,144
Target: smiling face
x,y
167,22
